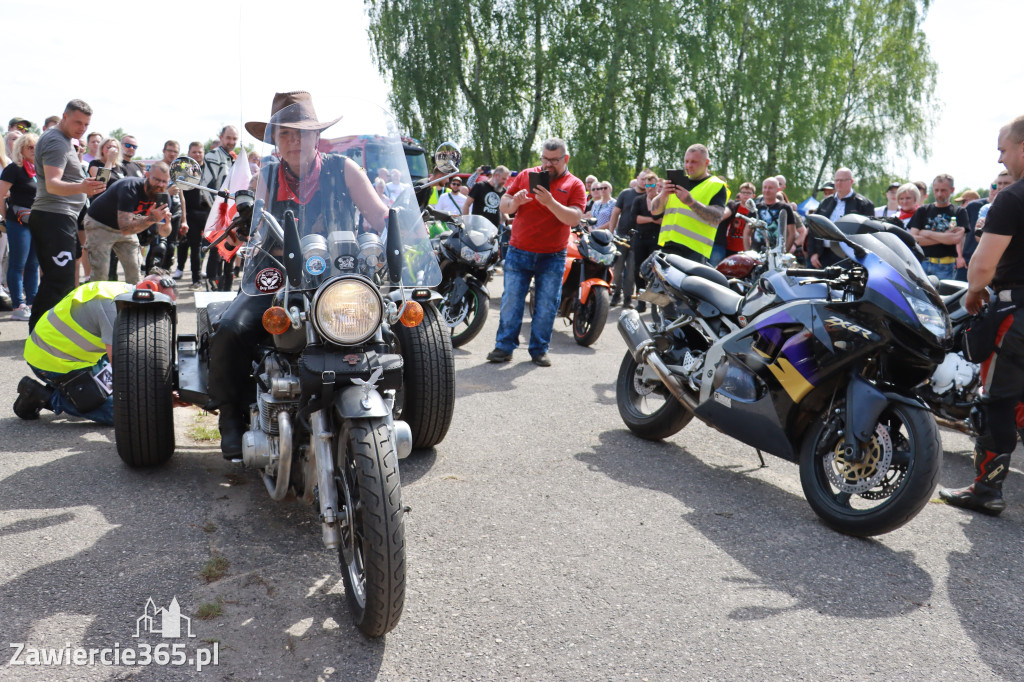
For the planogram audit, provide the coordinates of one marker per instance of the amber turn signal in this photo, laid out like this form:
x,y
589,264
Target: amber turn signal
x,y
413,314
276,320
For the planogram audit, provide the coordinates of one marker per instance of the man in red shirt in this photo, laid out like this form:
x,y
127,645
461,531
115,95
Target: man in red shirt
x,y
536,252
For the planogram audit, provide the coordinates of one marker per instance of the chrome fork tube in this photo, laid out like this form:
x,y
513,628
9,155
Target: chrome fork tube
x,y
326,486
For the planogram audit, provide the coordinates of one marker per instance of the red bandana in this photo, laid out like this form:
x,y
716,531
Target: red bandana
x,y
291,188
30,168
905,215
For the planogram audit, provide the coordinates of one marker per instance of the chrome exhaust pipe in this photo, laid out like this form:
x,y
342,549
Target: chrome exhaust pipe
x,y
278,487
327,489
641,347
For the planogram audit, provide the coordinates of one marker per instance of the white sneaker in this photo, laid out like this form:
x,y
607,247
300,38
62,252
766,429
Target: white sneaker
x,y
177,274
23,313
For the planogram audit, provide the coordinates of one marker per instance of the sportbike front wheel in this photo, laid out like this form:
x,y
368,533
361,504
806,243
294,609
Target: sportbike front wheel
x,y
887,487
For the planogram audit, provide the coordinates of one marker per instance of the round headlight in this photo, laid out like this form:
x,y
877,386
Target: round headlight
x,y
348,311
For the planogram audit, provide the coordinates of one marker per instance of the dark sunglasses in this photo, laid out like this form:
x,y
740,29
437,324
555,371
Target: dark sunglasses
x,y
995,186
129,145
650,184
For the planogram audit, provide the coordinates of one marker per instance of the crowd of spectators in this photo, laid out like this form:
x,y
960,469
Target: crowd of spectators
x,y
76,205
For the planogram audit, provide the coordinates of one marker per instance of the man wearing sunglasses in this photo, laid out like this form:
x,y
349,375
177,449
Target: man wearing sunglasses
x,y
22,125
130,169
536,253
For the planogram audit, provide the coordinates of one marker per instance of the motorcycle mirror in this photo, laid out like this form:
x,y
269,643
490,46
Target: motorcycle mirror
x,y
292,250
186,169
447,157
394,247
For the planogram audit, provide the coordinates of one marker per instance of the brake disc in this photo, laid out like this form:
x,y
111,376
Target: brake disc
x,y
455,312
641,387
859,477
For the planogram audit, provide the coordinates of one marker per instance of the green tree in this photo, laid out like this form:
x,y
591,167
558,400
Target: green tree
x,y
117,134
795,86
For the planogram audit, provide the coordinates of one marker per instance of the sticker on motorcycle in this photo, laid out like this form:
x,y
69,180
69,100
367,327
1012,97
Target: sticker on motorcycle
x,y
316,265
849,326
269,280
345,262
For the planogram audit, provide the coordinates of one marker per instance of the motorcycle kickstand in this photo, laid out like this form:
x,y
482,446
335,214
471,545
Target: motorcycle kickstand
x,y
760,457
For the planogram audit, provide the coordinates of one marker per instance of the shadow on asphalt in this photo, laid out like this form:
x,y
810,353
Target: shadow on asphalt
x,y
418,463
114,536
984,582
773,534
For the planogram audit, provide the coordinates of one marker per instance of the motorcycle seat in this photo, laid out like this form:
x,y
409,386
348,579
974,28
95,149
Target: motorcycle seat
x,y
951,289
722,297
696,269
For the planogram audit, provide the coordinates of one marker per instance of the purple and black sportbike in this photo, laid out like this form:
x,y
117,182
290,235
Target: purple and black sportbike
x,y
819,367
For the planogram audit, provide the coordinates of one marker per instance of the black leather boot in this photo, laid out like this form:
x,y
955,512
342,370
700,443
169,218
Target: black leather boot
x,y
32,398
985,495
232,424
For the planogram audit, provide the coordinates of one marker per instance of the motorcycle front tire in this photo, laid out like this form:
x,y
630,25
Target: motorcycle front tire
x,y
143,386
906,489
427,398
479,304
372,550
590,318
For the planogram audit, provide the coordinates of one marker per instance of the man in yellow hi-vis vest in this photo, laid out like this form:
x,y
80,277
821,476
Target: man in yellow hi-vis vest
x,y
692,209
70,350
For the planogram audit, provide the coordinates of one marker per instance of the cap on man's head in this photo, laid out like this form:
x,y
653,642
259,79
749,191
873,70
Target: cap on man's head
x,y
894,185
19,122
829,185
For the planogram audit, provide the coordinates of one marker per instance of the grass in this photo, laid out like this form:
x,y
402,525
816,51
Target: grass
x,y
214,569
210,610
202,432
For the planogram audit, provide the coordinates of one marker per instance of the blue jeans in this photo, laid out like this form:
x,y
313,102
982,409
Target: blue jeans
x,y
23,266
104,414
941,271
718,254
545,270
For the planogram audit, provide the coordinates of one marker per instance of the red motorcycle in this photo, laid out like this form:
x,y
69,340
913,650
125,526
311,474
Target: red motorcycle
x,y
586,283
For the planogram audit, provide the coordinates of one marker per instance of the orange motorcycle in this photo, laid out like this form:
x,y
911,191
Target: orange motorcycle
x,y
586,283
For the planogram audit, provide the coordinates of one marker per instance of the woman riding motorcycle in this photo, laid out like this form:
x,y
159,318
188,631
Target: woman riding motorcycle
x,y
293,184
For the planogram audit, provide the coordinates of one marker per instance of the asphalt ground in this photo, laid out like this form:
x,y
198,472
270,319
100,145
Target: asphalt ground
x,y
545,542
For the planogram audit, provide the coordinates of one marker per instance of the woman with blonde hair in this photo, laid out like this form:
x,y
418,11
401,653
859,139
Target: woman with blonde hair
x,y
17,193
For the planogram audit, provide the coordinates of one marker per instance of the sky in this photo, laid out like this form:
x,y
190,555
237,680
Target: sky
x,y
217,67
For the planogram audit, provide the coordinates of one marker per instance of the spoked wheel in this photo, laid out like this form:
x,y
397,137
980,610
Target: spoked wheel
x,y
888,487
646,406
466,317
590,318
372,551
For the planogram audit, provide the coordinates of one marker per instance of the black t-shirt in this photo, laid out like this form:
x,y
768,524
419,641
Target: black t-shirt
x,y
485,201
641,208
931,217
127,194
130,169
23,187
1006,217
624,203
116,173
770,214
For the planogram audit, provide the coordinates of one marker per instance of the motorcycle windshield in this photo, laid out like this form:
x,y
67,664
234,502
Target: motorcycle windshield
x,y
479,230
311,175
895,253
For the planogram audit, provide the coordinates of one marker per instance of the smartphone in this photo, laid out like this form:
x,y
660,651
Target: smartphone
x,y
541,179
103,175
675,176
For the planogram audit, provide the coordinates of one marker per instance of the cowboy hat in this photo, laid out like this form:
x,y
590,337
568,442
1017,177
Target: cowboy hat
x,y
289,110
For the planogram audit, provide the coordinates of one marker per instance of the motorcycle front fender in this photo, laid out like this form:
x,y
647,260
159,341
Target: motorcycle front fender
x,y
587,284
356,403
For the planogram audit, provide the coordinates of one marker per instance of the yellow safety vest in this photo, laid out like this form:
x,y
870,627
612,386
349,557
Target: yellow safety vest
x,y
59,343
434,196
680,225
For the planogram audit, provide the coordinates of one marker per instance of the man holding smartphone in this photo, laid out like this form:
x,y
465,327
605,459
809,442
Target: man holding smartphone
x,y
127,208
693,203
536,253
61,192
